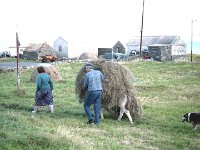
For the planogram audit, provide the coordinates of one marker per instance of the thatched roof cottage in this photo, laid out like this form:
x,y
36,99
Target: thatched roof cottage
x,y
35,51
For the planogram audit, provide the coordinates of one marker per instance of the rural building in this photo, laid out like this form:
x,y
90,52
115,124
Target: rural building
x,y
61,47
119,48
102,51
159,47
35,51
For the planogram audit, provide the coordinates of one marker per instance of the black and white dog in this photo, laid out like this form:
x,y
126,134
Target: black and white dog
x,y
193,118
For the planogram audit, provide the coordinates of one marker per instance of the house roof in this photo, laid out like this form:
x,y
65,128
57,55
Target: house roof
x,y
151,40
36,47
118,43
60,38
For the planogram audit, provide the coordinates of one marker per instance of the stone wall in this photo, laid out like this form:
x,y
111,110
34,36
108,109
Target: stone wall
x,y
160,53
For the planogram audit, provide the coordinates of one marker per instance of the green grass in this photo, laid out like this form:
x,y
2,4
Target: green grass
x,y
195,57
166,90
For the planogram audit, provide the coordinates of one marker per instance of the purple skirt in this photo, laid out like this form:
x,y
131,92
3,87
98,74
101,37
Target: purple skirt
x,y
43,98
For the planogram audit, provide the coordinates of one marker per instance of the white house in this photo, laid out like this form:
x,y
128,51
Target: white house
x,y
61,47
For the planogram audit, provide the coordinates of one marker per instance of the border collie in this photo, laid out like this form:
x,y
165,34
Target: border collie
x,y
193,118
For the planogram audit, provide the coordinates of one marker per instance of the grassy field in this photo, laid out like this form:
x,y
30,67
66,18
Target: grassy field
x,y
166,90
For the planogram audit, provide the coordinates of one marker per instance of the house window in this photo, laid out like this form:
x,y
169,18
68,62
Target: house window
x,y
60,48
117,50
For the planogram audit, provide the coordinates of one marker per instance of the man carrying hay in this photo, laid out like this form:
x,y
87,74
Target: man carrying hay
x,y
93,86
117,87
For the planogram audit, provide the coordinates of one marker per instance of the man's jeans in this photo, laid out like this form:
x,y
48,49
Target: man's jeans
x,y
93,97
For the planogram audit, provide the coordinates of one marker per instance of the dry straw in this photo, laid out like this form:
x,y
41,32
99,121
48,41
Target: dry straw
x,y
118,82
51,70
88,55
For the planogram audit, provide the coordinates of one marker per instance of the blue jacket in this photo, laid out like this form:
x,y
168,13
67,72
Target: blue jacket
x,y
93,80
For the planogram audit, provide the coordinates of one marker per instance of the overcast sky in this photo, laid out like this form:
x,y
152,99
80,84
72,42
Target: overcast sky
x,y
89,24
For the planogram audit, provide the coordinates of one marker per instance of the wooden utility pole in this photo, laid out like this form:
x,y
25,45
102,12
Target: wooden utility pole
x,y
192,23
141,30
18,68
191,39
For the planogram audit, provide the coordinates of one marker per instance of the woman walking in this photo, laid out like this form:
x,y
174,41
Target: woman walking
x,y
44,90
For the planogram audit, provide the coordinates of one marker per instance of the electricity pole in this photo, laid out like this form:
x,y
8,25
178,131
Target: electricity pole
x,y
18,73
141,29
192,22
18,68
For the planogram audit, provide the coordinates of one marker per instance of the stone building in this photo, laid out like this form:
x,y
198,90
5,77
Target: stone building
x,y
119,48
35,51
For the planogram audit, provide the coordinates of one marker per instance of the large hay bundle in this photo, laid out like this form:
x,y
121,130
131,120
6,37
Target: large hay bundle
x,y
88,55
118,82
51,70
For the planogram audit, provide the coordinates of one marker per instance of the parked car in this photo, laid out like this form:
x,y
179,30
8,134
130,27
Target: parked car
x,y
5,54
116,56
109,56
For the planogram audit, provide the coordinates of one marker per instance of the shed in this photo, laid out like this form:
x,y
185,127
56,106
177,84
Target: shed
x,y
159,47
160,52
102,51
61,47
119,48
